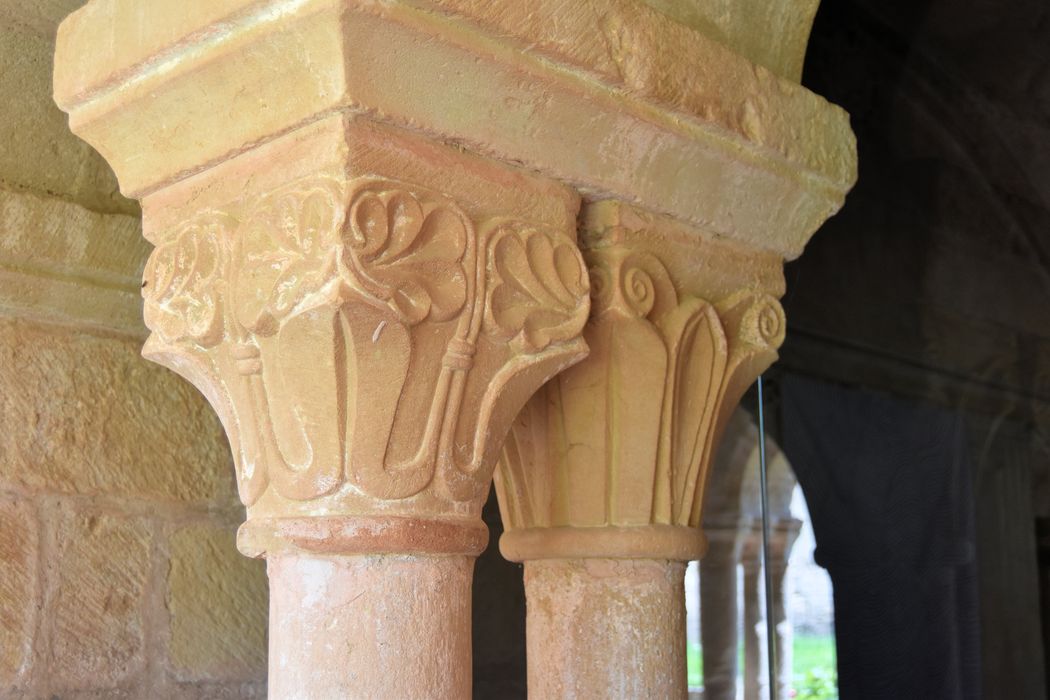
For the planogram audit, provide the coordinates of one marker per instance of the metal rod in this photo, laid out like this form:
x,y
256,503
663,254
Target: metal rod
x,y
771,639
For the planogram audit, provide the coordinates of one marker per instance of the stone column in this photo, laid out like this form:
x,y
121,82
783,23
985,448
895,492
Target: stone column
x,y
728,533
756,666
603,474
365,224
719,617
782,540
366,341
365,307
755,671
606,468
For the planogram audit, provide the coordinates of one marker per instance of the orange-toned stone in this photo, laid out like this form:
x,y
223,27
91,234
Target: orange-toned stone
x,y
605,628
216,602
19,602
370,626
111,424
101,572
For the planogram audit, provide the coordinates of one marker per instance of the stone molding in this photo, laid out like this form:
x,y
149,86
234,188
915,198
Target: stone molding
x,y
510,81
361,535
604,542
772,33
619,446
62,264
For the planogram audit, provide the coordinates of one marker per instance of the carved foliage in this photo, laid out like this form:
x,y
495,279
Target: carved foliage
x,y
337,328
626,436
182,288
412,254
536,285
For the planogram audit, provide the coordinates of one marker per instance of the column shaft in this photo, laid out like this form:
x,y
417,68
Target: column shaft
x,y
785,636
719,619
370,627
753,634
606,628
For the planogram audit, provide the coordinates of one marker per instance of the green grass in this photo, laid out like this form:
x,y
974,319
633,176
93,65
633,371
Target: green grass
x,y
813,652
694,662
813,666
813,663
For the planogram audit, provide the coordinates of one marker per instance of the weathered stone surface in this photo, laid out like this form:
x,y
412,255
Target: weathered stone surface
x,y
771,33
40,16
367,340
87,414
100,574
604,472
213,691
37,150
18,590
62,263
618,448
106,694
650,110
613,625
370,626
217,605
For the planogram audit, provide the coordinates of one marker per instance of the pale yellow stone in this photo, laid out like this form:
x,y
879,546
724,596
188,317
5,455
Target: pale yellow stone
x,y
772,33
37,151
112,423
62,263
367,310
654,111
70,251
216,601
365,339
607,465
19,597
100,575
680,327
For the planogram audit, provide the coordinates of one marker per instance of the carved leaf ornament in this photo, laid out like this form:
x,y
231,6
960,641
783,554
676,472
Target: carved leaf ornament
x,y
665,372
370,301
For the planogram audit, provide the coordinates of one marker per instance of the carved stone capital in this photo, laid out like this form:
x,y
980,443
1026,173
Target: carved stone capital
x,y
367,339
357,266
618,448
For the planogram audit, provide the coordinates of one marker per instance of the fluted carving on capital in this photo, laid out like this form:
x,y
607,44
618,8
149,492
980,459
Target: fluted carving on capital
x,y
625,438
363,340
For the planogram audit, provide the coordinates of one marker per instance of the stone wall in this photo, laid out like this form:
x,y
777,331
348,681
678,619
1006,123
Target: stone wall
x,y
118,570
119,575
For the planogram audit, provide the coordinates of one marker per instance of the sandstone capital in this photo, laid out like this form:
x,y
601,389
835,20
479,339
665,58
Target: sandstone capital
x,y
611,459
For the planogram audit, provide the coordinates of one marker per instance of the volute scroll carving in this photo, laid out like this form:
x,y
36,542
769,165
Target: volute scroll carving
x,y
383,305
625,439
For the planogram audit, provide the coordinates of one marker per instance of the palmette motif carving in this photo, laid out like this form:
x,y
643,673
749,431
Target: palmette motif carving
x,y
363,335
626,437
